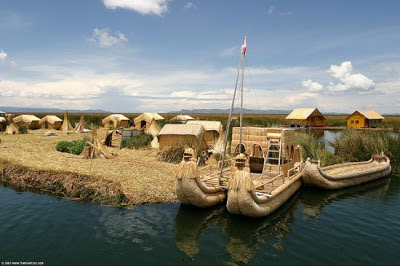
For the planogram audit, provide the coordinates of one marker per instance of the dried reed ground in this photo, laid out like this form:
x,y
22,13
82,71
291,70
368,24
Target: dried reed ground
x,y
142,178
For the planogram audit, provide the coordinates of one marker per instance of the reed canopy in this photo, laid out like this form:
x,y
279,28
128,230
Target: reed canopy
x,y
174,135
50,122
143,121
212,130
115,121
181,119
30,121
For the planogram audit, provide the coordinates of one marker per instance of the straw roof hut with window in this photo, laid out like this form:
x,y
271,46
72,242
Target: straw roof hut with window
x,y
182,119
174,135
305,117
143,121
115,121
50,122
30,121
212,130
364,118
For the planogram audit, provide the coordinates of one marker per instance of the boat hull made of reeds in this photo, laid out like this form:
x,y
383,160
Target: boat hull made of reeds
x,y
243,199
346,174
190,189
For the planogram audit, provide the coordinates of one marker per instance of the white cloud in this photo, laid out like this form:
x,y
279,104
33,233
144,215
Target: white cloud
x,y
270,10
182,94
285,13
13,65
190,5
105,38
347,80
312,86
144,7
3,56
230,51
300,97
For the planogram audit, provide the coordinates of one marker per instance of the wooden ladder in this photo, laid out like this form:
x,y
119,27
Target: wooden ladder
x,y
271,161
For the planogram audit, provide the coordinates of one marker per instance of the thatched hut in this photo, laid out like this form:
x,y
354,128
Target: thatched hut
x,y
212,130
115,121
305,117
183,119
50,122
30,121
153,130
173,135
143,121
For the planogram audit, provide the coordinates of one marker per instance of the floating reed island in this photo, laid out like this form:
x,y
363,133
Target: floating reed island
x,y
129,177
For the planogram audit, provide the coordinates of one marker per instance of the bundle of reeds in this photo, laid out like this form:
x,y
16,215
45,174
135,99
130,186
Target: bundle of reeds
x,y
97,150
66,126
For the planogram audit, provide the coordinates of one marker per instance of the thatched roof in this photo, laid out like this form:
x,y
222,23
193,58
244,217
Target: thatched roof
x,y
50,119
2,120
208,125
369,114
112,117
301,113
25,119
148,117
182,118
182,129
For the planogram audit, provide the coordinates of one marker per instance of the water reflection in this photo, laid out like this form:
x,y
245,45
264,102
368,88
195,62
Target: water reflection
x,y
244,235
314,200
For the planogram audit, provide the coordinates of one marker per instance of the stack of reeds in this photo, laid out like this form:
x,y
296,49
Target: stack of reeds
x,y
80,126
97,149
66,126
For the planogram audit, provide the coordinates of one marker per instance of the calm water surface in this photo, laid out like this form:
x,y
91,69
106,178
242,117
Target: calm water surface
x,y
359,225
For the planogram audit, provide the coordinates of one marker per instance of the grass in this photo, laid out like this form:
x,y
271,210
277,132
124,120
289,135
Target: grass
x,y
172,155
141,141
22,129
312,148
73,146
356,146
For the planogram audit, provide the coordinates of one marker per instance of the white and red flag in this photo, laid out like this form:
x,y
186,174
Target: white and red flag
x,y
244,45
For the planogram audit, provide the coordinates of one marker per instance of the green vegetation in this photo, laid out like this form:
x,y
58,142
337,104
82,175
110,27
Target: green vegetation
x,y
23,129
73,146
143,140
312,148
353,146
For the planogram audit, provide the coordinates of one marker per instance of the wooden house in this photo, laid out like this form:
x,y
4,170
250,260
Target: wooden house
x,y
305,117
364,118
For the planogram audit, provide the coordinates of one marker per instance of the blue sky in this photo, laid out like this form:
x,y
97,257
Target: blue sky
x,y
159,56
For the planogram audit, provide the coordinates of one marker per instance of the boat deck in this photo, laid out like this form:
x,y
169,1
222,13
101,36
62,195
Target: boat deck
x,y
261,183
348,169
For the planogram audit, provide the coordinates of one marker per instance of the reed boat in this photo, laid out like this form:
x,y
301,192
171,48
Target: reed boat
x,y
193,189
347,174
265,180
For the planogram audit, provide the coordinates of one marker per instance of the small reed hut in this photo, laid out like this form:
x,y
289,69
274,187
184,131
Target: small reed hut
x,y
30,121
212,130
115,121
174,135
364,118
143,121
305,117
50,122
183,119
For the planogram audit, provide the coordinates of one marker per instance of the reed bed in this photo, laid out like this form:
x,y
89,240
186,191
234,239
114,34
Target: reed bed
x,y
140,177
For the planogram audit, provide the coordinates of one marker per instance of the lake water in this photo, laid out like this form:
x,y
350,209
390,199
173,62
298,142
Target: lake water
x,y
354,226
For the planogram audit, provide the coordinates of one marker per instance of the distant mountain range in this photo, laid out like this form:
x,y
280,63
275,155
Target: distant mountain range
x,y
46,110
226,111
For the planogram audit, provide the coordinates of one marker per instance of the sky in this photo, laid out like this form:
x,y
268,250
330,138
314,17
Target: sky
x,y
168,55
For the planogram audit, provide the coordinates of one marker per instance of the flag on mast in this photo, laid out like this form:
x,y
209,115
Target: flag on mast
x,y
244,45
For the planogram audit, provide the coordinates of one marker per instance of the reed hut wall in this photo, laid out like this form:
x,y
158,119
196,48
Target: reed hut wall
x,y
30,121
168,141
50,122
